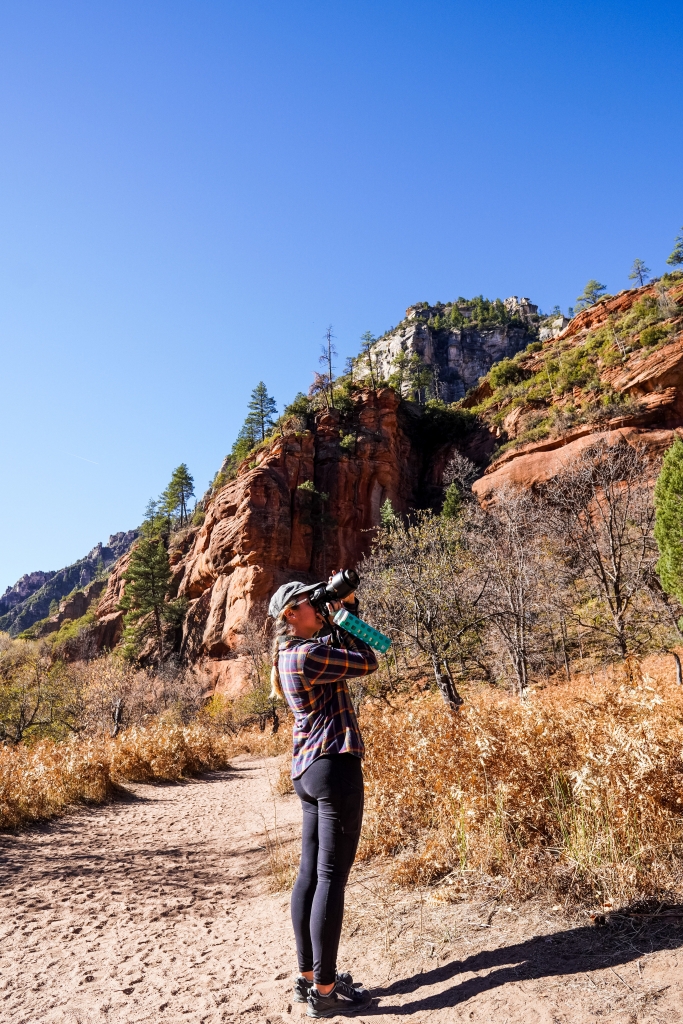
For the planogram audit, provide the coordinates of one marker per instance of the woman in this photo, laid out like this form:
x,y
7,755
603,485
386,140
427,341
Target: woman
x,y
328,779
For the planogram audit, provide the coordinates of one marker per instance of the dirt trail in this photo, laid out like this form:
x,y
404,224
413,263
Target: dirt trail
x,y
157,909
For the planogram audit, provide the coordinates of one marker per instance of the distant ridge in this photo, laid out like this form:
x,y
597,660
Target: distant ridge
x,y
30,598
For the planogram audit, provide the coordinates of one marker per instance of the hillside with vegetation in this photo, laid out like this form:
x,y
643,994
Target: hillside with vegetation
x,y
610,362
522,547
37,596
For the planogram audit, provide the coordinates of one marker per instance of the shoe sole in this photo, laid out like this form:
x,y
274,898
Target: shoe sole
x,y
340,1012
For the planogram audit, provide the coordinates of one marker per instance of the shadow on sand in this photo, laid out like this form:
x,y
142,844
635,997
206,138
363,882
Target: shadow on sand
x,y
571,951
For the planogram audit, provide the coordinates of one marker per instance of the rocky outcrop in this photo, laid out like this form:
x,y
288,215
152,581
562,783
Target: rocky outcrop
x,y
25,612
458,355
23,589
536,464
109,624
73,607
305,505
648,374
653,383
308,502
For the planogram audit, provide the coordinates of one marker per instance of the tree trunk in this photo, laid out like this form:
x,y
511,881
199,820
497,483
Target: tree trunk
x,y
451,697
116,714
453,687
160,635
679,674
564,649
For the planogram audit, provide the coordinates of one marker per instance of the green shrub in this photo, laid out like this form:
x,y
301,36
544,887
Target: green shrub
x,y
348,443
441,423
652,335
576,371
507,371
300,406
71,628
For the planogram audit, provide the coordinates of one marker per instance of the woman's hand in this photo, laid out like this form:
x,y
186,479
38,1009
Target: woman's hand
x,y
349,601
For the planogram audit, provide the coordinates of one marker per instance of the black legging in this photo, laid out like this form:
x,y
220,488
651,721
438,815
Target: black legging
x,y
331,794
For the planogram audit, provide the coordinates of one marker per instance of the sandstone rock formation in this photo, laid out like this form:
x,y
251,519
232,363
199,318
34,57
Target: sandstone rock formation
x,y
73,607
652,381
308,502
305,506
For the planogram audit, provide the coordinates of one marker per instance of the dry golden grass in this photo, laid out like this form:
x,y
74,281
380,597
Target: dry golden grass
x,y
577,793
42,780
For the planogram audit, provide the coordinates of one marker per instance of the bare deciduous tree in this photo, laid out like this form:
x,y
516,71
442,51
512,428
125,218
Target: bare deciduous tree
x,y
461,471
255,642
602,517
421,586
510,553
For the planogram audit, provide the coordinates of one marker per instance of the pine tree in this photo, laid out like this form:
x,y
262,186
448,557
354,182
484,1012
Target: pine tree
x,y
452,503
400,373
246,442
157,523
639,272
176,497
147,581
262,408
591,293
421,378
668,498
367,341
387,516
676,257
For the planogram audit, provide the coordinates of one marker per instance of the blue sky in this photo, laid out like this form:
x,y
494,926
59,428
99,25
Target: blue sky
x,y
191,192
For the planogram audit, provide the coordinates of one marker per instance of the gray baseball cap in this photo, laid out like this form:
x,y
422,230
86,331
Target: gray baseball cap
x,y
286,594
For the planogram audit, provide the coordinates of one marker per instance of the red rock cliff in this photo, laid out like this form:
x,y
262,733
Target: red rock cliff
x,y
308,504
263,529
652,381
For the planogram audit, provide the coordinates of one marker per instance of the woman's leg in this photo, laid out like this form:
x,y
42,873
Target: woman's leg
x,y
336,783
306,880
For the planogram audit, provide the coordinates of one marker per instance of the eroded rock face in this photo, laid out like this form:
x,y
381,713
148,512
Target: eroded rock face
x,y
109,627
308,503
654,381
73,607
271,525
460,356
30,599
23,588
535,465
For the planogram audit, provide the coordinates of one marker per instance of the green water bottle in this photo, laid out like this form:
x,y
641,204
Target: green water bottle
x,y
352,624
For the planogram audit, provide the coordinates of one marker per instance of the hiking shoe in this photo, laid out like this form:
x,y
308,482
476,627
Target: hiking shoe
x,y
344,1000
302,986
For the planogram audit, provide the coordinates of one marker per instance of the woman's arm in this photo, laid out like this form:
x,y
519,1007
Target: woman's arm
x,y
325,664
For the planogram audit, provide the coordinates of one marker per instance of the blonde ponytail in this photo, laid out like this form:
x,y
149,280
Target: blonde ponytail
x,y
281,629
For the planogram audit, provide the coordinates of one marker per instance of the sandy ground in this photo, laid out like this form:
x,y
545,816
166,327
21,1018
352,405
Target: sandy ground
x,y
157,909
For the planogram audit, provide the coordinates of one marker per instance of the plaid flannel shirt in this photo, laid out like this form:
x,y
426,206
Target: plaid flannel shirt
x,y
313,676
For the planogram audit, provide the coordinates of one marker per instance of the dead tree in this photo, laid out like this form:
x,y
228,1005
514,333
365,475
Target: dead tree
x,y
602,518
509,550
